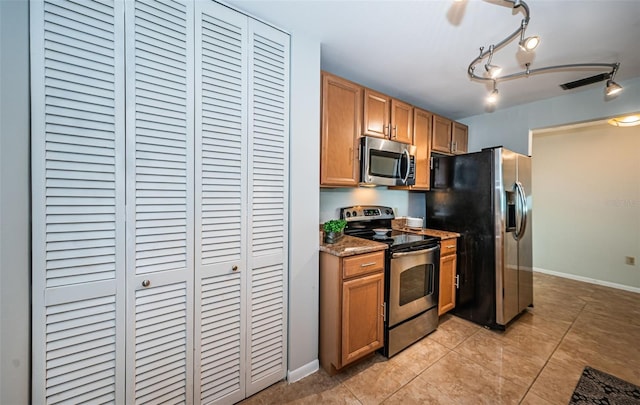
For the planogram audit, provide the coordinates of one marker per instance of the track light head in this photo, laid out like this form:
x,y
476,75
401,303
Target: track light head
x,y
612,88
530,43
492,98
493,71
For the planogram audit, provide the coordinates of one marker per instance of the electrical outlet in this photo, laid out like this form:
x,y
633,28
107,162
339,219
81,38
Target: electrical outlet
x,y
630,260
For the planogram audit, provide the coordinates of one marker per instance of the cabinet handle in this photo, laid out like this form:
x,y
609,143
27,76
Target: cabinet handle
x,y
146,283
457,281
368,264
395,130
384,312
385,129
454,146
451,246
234,268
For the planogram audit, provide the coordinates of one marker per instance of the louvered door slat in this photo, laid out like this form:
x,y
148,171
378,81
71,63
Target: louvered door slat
x,y
78,180
160,200
220,339
268,196
80,336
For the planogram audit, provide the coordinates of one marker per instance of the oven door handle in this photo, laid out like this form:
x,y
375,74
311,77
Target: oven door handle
x,y
415,252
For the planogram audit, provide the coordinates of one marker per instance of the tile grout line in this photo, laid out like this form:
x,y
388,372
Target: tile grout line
x,y
554,351
421,372
431,365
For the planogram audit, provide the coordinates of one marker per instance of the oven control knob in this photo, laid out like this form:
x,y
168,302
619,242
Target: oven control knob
x,y
348,214
388,212
354,213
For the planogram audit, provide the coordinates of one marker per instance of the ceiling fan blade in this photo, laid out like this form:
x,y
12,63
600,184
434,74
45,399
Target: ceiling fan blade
x,y
586,81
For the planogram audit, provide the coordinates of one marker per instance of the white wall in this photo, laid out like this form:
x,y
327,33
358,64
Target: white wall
x,y
510,127
303,206
14,203
586,199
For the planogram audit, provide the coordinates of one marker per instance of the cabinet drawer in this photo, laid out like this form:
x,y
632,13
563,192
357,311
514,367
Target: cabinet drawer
x,y
448,247
362,264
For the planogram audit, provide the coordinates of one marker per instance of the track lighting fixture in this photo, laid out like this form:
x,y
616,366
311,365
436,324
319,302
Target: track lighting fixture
x,y
528,44
612,88
492,98
492,70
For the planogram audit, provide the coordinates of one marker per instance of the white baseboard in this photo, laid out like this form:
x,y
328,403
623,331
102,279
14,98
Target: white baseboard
x,y
588,280
302,372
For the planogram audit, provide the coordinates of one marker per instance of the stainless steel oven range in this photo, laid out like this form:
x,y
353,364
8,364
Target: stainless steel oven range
x,y
411,275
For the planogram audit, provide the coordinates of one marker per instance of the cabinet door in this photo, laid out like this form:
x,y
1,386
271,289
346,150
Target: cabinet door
x,y
401,122
460,138
376,114
78,202
341,122
221,202
422,141
362,316
160,222
447,292
441,137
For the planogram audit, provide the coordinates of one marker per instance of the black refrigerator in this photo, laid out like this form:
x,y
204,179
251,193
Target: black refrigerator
x,y
486,197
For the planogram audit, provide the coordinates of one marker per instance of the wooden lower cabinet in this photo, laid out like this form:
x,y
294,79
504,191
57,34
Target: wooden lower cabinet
x,y
448,261
351,308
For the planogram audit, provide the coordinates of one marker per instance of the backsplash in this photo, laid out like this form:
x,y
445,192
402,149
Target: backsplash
x,y
403,202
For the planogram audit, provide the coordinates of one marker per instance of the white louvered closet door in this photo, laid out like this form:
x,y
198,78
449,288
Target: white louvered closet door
x,y
160,189
77,84
268,203
221,202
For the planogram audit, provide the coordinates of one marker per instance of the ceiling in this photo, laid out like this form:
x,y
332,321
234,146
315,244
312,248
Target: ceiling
x,y
419,50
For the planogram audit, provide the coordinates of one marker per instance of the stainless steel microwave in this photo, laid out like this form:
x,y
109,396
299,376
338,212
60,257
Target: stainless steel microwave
x,y
386,163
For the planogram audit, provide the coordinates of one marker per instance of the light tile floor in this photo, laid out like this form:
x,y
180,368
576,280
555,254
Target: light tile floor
x,y
537,360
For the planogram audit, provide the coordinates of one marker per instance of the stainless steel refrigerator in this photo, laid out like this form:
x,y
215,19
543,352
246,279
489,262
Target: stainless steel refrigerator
x,y
486,197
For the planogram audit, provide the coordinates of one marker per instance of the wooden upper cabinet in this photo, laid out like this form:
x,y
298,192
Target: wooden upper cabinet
x,y
459,138
422,140
341,112
385,117
448,136
376,119
441,136
401,122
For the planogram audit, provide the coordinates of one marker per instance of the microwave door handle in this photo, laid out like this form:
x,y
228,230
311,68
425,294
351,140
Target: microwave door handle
x,y
408,157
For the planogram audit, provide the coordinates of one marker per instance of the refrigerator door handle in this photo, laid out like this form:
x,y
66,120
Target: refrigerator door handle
x,y
523,210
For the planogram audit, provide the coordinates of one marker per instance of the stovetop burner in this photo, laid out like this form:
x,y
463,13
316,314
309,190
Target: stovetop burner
x,y
399,239
362,220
